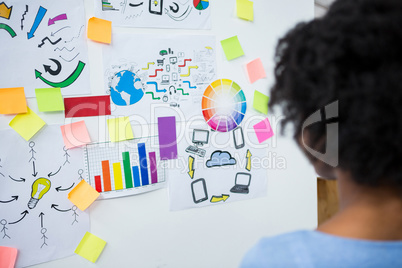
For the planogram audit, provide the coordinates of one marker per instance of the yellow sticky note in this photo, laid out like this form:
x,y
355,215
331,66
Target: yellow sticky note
x,y
90,247
12,101
27,124
120,129
245,10
8,257
100,30
260,102
232,48
49,99
83,195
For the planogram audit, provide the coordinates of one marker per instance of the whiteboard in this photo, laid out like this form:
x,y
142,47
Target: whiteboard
x,y
140,231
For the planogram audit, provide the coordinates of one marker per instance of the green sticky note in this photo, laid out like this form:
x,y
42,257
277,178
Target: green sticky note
x,y
27,125
245,10
120,129
49,99
90,247
260,102
232,48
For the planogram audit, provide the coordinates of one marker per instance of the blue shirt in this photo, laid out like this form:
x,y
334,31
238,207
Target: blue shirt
x,y
317,249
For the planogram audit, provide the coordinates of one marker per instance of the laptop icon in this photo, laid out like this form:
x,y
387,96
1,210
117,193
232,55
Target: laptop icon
x,y
242,182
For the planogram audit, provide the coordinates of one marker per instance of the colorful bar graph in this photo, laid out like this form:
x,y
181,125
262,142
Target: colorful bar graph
x,y
152,164
127,170
107,185
98,184
142,153
136,175
118,178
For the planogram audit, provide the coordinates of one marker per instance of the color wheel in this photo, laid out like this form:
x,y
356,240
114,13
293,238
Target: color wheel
x,y
201,4
223,105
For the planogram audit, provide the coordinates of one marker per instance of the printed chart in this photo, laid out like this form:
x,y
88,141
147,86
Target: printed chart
x,y
224,105
124,168
201,4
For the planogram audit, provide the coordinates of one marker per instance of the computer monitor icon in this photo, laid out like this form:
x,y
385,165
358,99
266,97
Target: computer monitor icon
x,y
200,137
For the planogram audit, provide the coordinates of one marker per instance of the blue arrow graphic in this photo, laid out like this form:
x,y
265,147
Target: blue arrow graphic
x,y
38,19
156,87
189,84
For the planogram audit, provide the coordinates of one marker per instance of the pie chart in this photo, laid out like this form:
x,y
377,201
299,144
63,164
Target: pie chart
x,y
201,4
223,105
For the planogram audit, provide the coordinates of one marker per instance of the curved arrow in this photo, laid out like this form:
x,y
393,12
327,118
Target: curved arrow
x,y
52,174
156,87
24,214
135,5
58,17
189,85
71,79
156,72
21,179
47,38
14,197
61,210
41,219
184,63
8,29
59,188
49,70
189,68
216,199
158,98
71,59
174,10
182,92
53,33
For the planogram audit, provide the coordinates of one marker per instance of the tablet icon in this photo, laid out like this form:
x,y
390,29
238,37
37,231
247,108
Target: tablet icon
x,y
199,191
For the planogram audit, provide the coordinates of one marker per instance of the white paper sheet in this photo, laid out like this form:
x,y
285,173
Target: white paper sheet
x,y
54,227
187,14
143,75
198,181
48,49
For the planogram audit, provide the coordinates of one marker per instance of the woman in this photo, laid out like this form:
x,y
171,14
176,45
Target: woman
x,y
350,60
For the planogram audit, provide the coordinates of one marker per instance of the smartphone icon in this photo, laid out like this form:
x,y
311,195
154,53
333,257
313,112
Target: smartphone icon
x,y
199,190
155,7
238,138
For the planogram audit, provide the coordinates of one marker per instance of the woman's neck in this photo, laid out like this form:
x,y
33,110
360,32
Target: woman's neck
x,y
365,212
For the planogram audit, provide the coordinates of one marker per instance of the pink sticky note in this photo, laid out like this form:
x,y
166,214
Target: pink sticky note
x,y
263,130
75,134
255,70
8,257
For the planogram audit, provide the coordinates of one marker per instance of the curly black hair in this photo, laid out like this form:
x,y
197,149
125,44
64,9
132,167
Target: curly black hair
x,y
352,55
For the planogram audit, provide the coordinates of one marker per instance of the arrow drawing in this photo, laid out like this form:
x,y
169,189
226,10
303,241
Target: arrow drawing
x,y
75,37
158,98
184,64
24,214
63,49
41,219
38,19
189,68
61,210
20,180
34,171
191,166
135,5
14,197
57,18
182,92
49,70
5,11
174,10
216,199
52,174
149,63
8,29
189,85
248,156
71,59
47,38
59,188
156,72
156,87
53,33
23,17
68,81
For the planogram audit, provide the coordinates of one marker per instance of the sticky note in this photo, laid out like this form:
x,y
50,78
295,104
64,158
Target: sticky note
x,y
120,129
75,134
255,70
27,125
260,102
245,10
12,101
83,195
263,130
8,256
232,48
100,30
49,99
167,137
90,247
87,106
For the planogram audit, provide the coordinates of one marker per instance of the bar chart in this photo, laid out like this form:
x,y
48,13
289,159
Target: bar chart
x,y
124,168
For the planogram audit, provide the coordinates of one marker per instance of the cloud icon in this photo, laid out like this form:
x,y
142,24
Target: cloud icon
x,y
219,158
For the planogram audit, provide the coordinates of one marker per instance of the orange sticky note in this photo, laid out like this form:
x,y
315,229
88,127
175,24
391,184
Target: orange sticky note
x,y
75,134
100,30
27,125
12,101
255,70
83,195
8,257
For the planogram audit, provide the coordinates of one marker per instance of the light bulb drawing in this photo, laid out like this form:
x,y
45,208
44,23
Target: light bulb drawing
x,y
40,187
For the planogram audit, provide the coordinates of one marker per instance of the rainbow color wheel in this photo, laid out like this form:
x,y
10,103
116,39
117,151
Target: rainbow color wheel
x,y
223,105
201,4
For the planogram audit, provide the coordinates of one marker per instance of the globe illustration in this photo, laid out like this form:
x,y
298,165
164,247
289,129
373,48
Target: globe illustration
x,y
126,88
